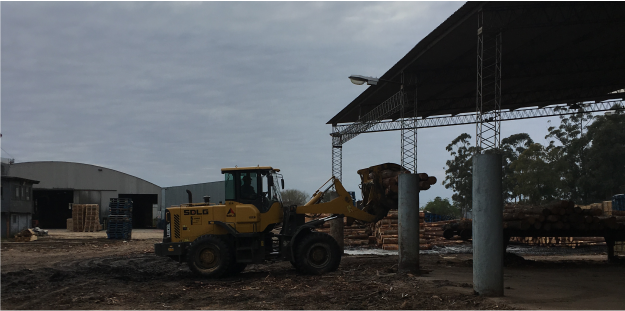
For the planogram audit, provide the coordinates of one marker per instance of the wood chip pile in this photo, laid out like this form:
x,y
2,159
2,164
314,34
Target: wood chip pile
x,y
85,218
26,235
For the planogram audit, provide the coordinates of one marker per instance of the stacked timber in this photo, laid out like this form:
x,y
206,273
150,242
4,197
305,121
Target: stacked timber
x,y
605,206
386,232
435,232
560,215
353,234
572,242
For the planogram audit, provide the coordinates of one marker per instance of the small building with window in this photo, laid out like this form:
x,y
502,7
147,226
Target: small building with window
x,y
17,204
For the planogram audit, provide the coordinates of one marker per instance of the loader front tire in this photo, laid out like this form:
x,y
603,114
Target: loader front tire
x,y
317,253
209,256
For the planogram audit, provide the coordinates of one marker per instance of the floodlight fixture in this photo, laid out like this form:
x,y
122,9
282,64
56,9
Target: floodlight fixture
x,y
360,80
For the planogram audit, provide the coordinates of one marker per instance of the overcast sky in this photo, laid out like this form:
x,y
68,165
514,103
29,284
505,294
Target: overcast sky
x,y
171,92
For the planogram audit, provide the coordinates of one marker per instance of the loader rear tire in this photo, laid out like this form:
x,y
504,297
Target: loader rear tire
x,y
317,253
209,256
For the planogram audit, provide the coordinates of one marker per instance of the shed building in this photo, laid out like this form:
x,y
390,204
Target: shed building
x,y
178,195
65,183
17,204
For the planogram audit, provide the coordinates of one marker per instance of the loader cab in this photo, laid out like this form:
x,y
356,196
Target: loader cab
x,y
253,185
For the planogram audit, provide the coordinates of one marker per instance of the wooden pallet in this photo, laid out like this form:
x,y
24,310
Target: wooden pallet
x,y
85,218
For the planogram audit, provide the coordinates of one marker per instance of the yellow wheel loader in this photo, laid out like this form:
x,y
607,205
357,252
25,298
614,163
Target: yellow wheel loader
x,y
253,227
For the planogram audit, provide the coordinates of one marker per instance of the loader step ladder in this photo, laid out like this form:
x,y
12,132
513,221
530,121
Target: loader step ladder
x,y
246,248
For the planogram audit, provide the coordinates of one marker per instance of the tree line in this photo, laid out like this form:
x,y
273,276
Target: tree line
x,y
583,162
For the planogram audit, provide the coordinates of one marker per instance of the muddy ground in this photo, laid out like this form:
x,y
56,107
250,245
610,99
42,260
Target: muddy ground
x,y
69,270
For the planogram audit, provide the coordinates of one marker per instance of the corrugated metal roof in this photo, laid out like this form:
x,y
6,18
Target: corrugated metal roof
x,y
552,52
13,178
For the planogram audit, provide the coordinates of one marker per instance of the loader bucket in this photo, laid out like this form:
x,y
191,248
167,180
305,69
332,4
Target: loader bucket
x,y
379,188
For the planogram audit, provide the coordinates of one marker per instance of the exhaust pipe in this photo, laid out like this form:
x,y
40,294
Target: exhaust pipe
x,y
190,196
207,199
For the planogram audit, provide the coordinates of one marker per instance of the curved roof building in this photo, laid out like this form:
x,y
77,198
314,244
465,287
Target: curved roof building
x,y
64,183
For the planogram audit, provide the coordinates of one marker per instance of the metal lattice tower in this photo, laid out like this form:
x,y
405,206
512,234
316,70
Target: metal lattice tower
x,y
341,135
409,127
488,106
337,154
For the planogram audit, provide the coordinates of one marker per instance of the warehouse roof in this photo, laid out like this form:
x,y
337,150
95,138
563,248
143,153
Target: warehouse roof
x,y
552,52
20,179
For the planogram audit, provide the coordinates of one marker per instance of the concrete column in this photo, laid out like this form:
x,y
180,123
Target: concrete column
x,y
337,231
487,225
408,223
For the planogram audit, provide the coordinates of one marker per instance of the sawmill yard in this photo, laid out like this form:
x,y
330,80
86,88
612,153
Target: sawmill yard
x,y
85,270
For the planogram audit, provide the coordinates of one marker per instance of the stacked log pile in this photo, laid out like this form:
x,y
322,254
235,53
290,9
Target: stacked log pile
x,y
430,233
572,242
354,234
561,215
386,232
435,233
606,206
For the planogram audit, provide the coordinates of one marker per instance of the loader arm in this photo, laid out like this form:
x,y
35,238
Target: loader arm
x,y
341,205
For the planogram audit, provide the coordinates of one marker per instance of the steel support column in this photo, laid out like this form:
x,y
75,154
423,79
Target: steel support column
x,y
408,223
336,225
408,205
487,183
487,225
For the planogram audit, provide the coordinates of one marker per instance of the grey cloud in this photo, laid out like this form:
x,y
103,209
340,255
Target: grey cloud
x,y
173,91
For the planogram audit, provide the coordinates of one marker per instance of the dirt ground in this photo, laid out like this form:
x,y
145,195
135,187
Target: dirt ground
x,y
68,270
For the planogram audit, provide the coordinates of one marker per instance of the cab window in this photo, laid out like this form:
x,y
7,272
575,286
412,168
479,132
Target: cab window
x,y
230,193
249,185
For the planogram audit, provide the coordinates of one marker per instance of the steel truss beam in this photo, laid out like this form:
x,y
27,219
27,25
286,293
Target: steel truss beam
x,y
390,106
529,113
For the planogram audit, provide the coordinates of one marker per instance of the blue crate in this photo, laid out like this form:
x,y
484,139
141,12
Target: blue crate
x,y
618,202
119,227
120,203
120,224
120,200
120,219
119,236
